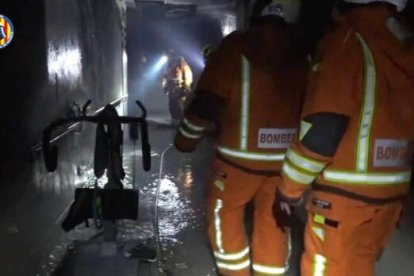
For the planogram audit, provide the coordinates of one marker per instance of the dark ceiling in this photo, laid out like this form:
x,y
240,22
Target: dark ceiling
x,y
167,9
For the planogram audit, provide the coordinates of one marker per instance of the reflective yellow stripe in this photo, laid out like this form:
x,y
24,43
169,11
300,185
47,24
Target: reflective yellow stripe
x,y
319,219
192,126
368,108
245,104
304,129
233,256
270,270
251,155
367,178
304,162
319,266
189,135
217,224
296,175
234,267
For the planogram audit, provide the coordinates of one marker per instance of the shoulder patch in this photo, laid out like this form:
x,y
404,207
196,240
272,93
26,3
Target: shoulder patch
x,y
323,132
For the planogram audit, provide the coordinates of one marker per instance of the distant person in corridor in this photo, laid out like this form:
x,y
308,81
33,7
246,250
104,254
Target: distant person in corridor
x,y
177,83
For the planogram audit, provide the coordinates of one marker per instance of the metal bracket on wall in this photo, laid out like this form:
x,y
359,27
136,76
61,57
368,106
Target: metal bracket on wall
x,y
37,147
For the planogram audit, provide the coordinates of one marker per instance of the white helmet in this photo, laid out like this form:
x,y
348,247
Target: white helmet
x,y
286,9
400,4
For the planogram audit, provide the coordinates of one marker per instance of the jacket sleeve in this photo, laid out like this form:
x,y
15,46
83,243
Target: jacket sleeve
x,y
327,109
211,95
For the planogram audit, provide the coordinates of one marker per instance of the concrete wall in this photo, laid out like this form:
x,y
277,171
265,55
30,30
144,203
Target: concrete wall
x,y
63,51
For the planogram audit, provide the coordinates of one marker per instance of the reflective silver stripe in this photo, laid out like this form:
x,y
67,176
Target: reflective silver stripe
x,y
245,104
234,256
189,135
304,162
319,232
234,267
217,224
319,265
289,237
367,178
270,270
368,109
400,31
296,175
316,66
251,155
193,126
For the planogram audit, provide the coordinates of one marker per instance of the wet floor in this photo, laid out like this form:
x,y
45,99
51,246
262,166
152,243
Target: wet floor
x,y
33,202
184,247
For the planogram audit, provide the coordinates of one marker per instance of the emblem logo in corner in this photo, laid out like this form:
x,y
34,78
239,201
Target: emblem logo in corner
x,y
6,31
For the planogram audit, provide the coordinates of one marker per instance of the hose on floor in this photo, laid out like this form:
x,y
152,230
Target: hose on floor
x,y
156,215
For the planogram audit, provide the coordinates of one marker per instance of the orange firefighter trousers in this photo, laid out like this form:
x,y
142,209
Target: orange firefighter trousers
x,y
344,237
231,190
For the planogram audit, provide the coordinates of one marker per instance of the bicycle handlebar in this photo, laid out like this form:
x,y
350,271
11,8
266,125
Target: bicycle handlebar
x,y
50,152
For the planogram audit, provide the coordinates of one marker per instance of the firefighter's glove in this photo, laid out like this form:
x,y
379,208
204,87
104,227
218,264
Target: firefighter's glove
x,y
284,210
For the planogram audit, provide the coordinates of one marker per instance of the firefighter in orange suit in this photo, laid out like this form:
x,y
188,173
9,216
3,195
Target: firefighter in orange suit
x,y
355,144
176,83
252,90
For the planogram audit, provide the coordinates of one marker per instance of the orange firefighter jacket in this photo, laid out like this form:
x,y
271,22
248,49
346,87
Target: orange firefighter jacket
x,y
252,89
180,74
358,118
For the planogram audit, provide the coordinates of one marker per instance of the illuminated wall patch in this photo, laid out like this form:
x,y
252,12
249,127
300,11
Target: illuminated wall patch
x,y
64,63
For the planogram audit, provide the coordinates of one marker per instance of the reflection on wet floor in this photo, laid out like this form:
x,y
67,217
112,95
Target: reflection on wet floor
x,y
175,211
185,176
180,207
